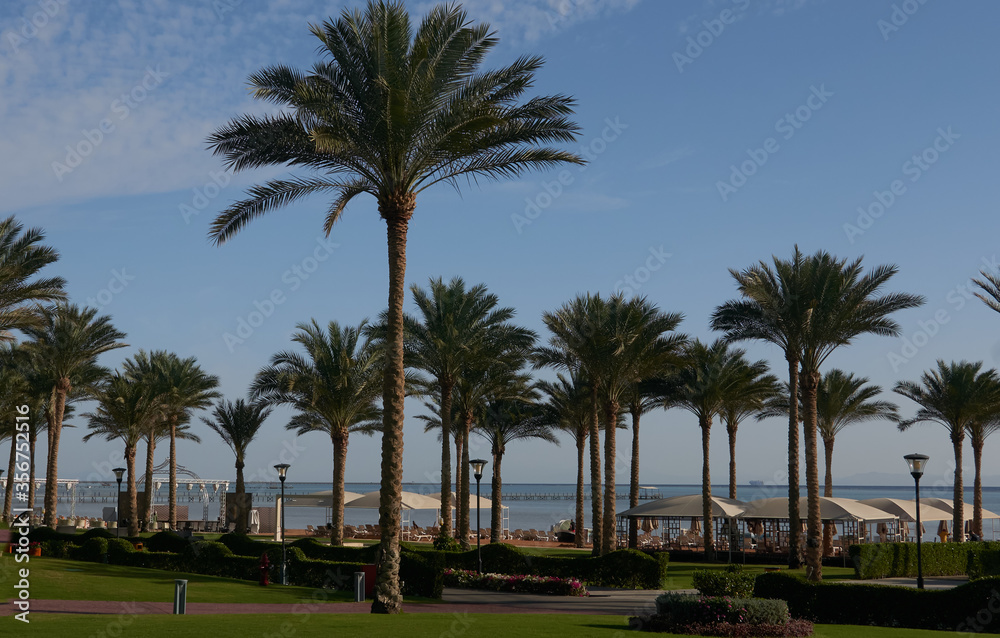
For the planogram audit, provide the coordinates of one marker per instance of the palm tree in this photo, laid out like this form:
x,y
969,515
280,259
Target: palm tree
x,y
491,375
956,395
506,421
15,390
841,400
21,258
748,398
701,384
238,423
334,389
181,387
978,431
641,397
65,347
123,410
774,309
390,113
844,304
452,325
569,409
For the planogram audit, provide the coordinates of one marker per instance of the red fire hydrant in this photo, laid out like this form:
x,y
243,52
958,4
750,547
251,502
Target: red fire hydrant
x,y
264,565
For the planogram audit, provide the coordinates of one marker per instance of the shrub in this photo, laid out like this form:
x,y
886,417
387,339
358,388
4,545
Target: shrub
x,y
56,549
684,609
321,551
723,583
422,574
94,550
446,543
119,550
96,532
167,541
511,583
970,605
984,562
243,545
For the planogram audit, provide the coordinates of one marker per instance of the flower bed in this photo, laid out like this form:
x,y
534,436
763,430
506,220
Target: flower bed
x,y
519,584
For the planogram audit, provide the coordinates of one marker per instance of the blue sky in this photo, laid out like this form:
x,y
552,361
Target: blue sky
x,y
720,133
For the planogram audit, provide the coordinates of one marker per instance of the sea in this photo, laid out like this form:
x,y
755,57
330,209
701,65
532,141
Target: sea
x,y
529,505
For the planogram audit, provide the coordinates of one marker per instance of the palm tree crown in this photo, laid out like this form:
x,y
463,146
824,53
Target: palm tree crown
x,y
21,257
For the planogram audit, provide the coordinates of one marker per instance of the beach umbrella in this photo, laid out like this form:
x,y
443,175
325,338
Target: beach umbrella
x,y
907,510
695,525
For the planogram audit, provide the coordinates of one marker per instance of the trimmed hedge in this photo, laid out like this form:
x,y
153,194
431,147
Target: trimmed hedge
x,y
887,560
519,584
721,616
733,583
985,562
166,541
974,606
94,550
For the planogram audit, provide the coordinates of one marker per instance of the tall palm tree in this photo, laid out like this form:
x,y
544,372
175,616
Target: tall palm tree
x,y
774,309
641,397
956,395
490,376
181,387
391,112
123,410
334,389
747,398
15,390
506,421
845,302
22,256
238,423
978,431
158,430
708,374
65,347
841,400
453,323
567,406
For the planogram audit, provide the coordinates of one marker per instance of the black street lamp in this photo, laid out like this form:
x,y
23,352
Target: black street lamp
x,y
282,469
477,471
917,463
118,475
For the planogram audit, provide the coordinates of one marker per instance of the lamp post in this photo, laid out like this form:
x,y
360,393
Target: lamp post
x,y
282,469
916,462
477,471
118,475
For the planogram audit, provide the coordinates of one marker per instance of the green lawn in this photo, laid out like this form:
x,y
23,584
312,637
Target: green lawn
x,y
368,626
60,579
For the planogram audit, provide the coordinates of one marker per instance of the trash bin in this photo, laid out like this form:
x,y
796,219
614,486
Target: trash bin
x,y
369,571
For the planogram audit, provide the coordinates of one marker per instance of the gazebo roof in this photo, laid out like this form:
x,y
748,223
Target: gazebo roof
x,y
689,505
831,509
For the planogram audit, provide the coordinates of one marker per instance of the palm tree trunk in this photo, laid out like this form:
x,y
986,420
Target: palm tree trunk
x,y
581,442
814,540
706,487
337,500
958,517
8,492
977,496
32,440
242,513
496,513
731,431
459,445
147,500
397,212
633,488
62,388
794,524
595,476
610,538
463,491
133,497
173,473
829,528
446,389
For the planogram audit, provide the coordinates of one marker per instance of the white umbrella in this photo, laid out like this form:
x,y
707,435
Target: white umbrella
x,y
409,501
687,506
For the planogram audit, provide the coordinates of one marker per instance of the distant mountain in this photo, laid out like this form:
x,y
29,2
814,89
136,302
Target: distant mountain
x,y
888,478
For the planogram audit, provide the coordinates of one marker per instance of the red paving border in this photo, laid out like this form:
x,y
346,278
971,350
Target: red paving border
x,y
195,609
